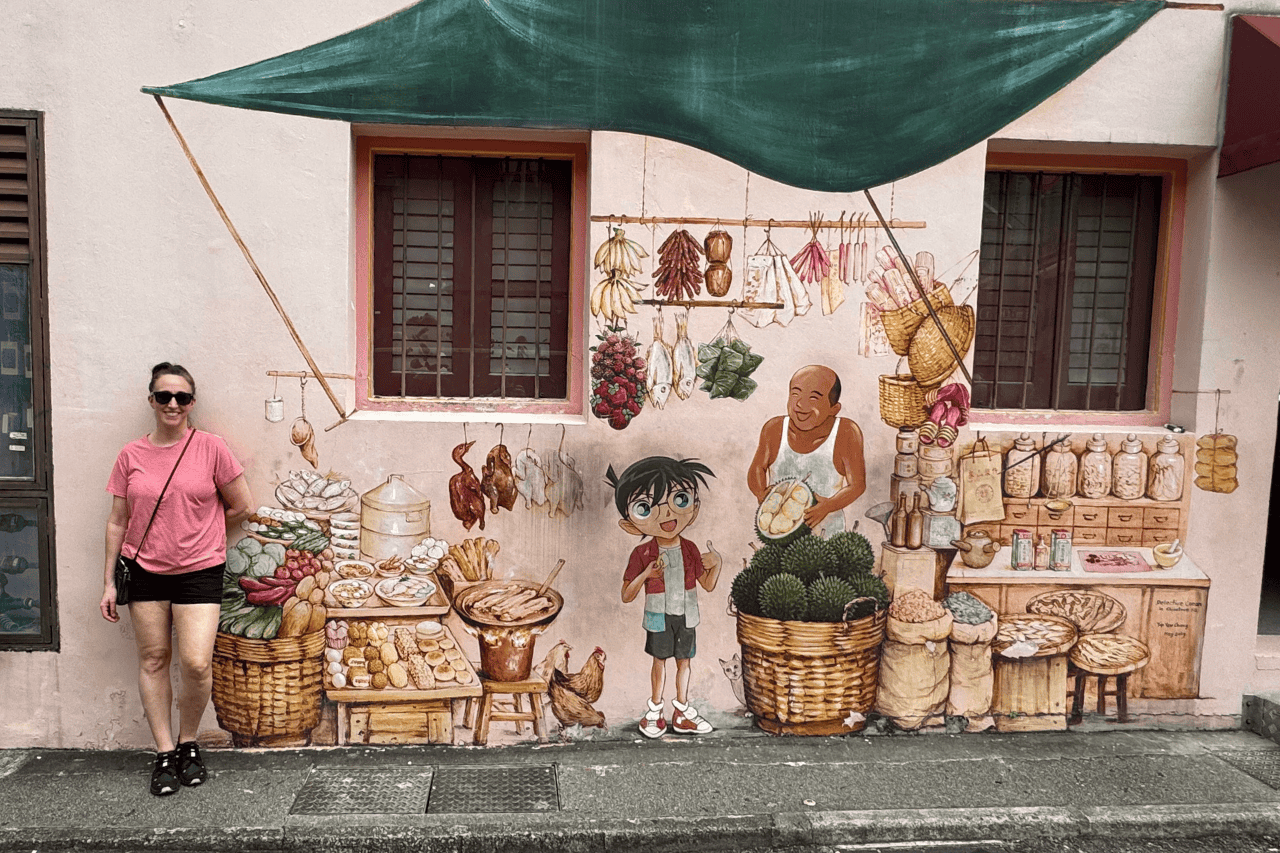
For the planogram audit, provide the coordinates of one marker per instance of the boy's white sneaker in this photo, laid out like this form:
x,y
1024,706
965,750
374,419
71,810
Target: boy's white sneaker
x,y
652,724
687,721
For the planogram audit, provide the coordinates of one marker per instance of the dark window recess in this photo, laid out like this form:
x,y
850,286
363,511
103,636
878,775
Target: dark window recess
x,y
28,613
471,277
1065,290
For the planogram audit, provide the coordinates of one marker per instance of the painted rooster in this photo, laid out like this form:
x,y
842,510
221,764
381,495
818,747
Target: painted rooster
x,y
465,497
572,695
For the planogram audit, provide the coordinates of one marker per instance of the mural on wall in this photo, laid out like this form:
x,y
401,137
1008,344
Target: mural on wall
x,y
1020,578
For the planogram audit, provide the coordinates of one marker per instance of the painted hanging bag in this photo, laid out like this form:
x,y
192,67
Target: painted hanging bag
x,y
980,497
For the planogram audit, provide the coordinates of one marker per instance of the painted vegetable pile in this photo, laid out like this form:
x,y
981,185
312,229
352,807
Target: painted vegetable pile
x,y
812,580
617,378
619,259
270,591
725,365
292,528
679,272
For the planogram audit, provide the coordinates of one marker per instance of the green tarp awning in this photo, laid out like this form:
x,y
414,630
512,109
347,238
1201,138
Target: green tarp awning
x,y
831,95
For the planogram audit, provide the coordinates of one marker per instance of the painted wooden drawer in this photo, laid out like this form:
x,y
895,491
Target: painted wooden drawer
x,y
1044,518
1125,537
1153,536
1091,516
1020,515
1159,516
1088,536
1124,516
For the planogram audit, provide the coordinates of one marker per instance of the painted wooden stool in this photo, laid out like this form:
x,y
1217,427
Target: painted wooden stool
x,y
1104,656
531,690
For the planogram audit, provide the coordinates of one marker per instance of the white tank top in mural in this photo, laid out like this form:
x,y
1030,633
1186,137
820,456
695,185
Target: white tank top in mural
x,y
817,468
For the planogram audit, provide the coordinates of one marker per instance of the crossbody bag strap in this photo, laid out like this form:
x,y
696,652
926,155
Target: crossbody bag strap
x,y
138,550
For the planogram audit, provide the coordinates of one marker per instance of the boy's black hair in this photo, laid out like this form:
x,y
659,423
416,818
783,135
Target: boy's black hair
x,y
656,477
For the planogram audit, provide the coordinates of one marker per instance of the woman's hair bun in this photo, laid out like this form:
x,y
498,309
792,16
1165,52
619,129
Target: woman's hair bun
x,y
165,368
161,368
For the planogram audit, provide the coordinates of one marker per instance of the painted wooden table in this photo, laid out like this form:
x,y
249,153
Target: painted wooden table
x,y
1164,608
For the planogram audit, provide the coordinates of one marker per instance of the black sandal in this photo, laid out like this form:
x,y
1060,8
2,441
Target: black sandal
x,y
191,769
164,775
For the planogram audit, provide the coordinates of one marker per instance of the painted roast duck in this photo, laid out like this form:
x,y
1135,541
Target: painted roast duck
x,y
465,496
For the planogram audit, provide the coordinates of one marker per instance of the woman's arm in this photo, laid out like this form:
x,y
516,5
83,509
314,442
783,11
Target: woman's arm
x,y
238,500
117,523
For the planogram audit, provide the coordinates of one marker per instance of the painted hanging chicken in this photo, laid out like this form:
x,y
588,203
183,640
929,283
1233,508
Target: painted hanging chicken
x,y
498,483
465,496
567,493
531,478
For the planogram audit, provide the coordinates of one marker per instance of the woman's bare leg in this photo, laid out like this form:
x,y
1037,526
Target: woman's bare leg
x,y
152,626
197,628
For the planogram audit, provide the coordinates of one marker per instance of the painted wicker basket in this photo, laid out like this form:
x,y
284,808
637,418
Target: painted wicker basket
x,y
268,689
902,401
810,678
901,323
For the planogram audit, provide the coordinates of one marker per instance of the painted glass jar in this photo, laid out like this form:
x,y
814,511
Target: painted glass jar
x,y
1095,468
1060,469
1022,479
1164,480
1129,470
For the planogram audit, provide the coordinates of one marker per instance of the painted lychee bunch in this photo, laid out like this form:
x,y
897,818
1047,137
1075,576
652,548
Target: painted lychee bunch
x,y
617,378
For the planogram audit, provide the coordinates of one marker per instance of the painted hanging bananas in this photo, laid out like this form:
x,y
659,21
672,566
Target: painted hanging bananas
x,y
619,259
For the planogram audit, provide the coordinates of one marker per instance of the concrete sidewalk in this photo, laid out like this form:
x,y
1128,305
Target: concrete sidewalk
x,y
745,793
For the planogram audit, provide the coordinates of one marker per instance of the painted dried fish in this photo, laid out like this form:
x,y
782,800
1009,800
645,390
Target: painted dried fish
x,y
684,360
661,365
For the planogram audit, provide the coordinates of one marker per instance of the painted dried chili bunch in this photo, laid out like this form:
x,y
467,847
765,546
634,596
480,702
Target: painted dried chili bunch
x,y
679,272
617,378
812,263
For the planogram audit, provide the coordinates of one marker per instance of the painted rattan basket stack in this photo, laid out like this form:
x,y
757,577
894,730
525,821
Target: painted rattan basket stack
x,y
810,678
267,691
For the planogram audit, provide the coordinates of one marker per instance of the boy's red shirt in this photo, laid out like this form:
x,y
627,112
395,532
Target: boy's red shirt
x,y
647,552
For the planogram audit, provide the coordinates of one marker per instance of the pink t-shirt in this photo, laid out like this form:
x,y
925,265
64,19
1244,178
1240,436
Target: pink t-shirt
x,y
190,530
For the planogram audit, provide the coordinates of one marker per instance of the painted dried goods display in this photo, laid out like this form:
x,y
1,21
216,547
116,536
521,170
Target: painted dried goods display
x,y
684,360
615,296
1216,461
679,271
307,491
618,378
725,365
718,277
660,366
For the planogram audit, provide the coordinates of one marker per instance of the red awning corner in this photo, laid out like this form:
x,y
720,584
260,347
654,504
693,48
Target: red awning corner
x,y
1251,136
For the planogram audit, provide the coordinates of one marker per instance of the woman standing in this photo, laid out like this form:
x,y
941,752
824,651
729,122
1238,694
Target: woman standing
x,y
175,583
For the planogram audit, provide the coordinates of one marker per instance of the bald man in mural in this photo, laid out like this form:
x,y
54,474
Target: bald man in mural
x,y
813,443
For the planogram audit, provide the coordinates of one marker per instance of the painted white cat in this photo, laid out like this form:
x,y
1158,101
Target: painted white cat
x,y
733,671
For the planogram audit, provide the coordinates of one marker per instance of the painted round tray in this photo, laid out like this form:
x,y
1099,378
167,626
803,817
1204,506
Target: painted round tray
x,y
1052,635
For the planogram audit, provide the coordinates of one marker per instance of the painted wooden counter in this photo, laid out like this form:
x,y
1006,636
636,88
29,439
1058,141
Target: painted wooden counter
x,y
1165,609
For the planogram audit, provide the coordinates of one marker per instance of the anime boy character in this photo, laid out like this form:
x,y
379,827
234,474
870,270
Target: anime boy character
x,y
658,499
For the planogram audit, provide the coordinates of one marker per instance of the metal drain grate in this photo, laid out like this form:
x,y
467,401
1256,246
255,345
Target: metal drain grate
x,y
497,790
368,790
1261,764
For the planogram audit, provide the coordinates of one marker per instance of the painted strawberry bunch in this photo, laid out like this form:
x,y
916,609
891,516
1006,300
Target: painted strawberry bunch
x,y
617,378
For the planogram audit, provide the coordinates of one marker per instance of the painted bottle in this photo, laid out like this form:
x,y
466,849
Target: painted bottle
x,y
898,524
1164,480
915,525
1129,470
1022,478
1041,559
1095,468
1060,471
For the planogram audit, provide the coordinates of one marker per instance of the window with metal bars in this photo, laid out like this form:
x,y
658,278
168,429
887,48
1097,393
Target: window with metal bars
x,y
1065,290
28,613
471,277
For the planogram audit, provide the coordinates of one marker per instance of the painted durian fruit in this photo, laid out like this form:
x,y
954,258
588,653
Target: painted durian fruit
x,y
780,517
809,559
784,597
746,588
853,554
828,597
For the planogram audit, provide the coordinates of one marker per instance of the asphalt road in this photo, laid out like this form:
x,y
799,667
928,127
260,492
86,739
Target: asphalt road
x,y
1221,844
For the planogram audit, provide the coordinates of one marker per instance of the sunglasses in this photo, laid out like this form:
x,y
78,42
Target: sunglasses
x,y
163,397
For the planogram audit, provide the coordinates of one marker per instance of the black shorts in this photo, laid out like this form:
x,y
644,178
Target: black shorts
x,y
675,641
198,587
